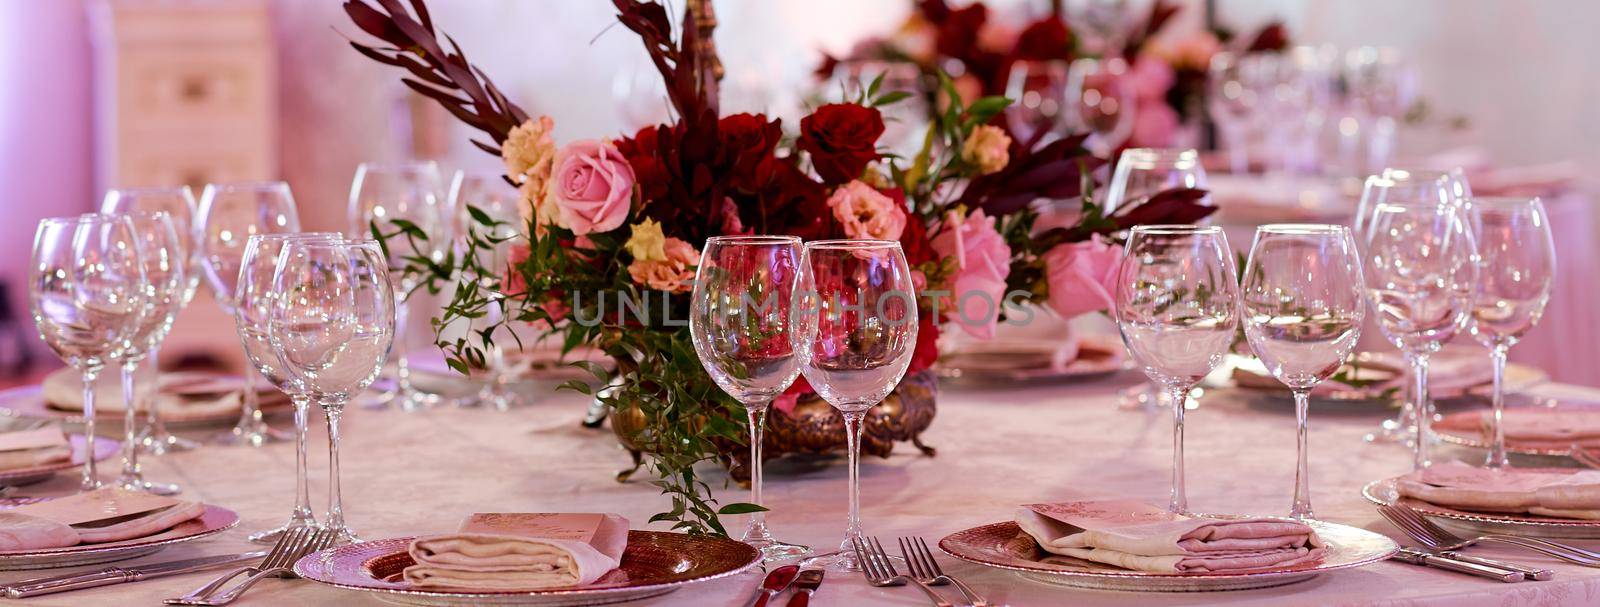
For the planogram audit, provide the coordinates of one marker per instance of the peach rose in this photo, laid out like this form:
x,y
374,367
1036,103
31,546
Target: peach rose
x,y
988,149
675,274
529,153
867,213
591,187
983,260
1082,276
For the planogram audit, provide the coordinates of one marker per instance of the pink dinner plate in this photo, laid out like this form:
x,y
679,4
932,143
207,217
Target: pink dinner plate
x,y
103,448
215,520
1386,492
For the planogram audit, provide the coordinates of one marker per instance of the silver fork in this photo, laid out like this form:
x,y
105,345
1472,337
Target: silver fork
x,y
321,540
289,548
925,569
1437,538
875,566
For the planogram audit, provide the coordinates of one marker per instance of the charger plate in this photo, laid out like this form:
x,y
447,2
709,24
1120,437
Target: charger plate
x,y
653,564
215,520
1386,492
1005,546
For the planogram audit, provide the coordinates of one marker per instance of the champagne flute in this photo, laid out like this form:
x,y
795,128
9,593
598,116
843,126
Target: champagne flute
x,y
1100,97
1142,172
1516,266
488,192
380,195
230,213
1177,309
256,299
1421,272
332,327
178,203
1039,88
854,330
739,313
165,283
1302,299
86,288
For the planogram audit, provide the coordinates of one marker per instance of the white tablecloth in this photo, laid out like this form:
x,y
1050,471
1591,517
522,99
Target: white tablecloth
x,y
419,472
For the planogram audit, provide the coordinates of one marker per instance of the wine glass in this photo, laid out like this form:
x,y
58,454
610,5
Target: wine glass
x,y
854,331
738,319
1142,172
1039,91
1177,310
411,191
86,288
178,203
256,298
1234,101
1302,300
1421,272
165,284
1379,88
1100,97
332,327
488,192
1516,266
230,213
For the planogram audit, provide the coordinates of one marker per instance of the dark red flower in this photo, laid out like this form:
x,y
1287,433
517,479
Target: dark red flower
x,y
958,30
1273,37
914,241
643,154
927,342
793,204
1044,40
842,139
747,143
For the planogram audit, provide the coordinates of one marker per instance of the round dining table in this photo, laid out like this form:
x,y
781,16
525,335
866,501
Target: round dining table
x,y
999,446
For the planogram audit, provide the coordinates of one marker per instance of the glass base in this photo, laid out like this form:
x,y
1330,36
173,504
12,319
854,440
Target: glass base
x,y
139,484
344,535
386,391
1393,432
164,443
845,560
271,536
773,551
254,437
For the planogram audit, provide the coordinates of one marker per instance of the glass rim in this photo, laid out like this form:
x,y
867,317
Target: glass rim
x,y
1149,157
335,236
1302,228
1173,229
248,186
852,244
398,165
153,189
753,239
1505,201
82,218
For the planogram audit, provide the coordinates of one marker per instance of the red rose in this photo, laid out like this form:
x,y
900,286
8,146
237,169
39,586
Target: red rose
x,y
643,152
746,145
1043,40
842,139
958,30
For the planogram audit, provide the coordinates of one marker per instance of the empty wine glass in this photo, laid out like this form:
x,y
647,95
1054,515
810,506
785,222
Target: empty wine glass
x,y
178,203
332,327
738,320
1302,300
1379,88
256,298
1100,98
488,192
1420,272
411,191
86,287
1038,89
854,331
1516,266
230,213
1142,172
164,289
1234,100
1177,309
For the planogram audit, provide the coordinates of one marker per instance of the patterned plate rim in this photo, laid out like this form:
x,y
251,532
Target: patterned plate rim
x,y
1372,492
38,409
105,447
375,548
948,540
221,519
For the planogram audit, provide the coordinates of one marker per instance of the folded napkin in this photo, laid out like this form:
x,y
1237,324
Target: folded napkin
x,y
1544,492
1451,373
1045,342
1138,536
520,552
1531,427
33,448
103,515
179,394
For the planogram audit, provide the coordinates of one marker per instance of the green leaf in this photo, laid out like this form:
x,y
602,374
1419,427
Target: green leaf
x,y
890,97
740,508
479,216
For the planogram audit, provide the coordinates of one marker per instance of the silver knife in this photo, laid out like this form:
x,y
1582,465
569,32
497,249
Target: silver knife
x,y
1532,573
1418,557
807,583
120,575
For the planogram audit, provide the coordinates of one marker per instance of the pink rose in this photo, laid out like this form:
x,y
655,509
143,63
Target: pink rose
x,y
1155,124
1082,276
867,213
675,274
1152,78
591,187
983,260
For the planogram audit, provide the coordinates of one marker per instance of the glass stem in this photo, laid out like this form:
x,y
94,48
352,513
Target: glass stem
x,y
1180,500
333,410
250,416
1420,411
156,429
402,361
852,430
1302,472
1497,448
302,485
91,480
130,444
757,412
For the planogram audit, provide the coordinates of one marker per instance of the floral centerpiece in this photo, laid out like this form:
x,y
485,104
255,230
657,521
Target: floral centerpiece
x,y
610,230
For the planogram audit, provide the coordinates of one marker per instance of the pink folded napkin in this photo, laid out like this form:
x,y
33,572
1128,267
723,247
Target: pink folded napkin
x,y
1135,535
520,552
1531,427
1544,492
99,516
33,448
23,532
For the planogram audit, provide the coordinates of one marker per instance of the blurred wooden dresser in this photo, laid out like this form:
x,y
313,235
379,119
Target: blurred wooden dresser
x,y
185,92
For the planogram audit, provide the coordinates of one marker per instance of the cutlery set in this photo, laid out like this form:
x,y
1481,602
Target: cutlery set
x,y
1441,549
805,583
